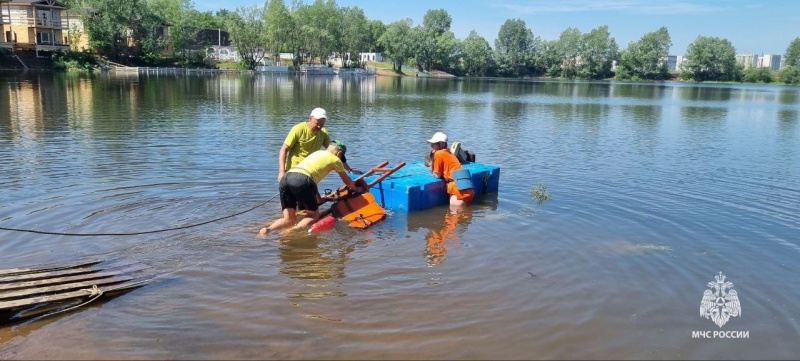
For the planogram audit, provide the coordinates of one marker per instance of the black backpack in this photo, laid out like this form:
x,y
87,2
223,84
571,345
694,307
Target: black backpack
x,y
463,154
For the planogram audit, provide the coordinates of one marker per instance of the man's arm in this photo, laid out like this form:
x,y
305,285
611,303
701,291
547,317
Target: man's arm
x,y
282,160
349,182
352,170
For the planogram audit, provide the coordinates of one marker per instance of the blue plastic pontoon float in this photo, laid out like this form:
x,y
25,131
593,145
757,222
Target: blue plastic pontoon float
x,y
413,187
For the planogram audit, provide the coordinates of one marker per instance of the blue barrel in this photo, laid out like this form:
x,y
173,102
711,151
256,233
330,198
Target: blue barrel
x,y
463,179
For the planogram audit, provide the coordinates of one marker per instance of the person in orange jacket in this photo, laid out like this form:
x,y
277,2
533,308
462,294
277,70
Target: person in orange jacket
x,y
443,164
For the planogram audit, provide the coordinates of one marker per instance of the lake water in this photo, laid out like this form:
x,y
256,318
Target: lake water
x,y
656,189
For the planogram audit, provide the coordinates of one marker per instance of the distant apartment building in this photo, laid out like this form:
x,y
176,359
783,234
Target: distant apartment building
x,y
771,61
674,62
747,60
365,57
33,25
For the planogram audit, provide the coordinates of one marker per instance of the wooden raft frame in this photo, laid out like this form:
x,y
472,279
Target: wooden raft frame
x,y
31,292
350,205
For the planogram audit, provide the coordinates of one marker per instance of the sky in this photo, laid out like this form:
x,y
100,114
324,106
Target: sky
x,y
752,26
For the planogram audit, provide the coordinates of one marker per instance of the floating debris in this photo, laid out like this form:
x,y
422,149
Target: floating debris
x,y
641,248
540,193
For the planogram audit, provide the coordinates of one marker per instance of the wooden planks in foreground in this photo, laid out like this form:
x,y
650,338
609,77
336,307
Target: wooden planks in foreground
x,y
31,292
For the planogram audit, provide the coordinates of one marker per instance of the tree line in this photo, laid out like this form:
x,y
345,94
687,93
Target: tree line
x,y
316,31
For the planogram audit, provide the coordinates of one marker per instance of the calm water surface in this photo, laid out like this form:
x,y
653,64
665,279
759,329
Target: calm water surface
x,y
656,188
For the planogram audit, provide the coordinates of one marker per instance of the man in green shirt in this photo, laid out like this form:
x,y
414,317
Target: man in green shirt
x,y
304,139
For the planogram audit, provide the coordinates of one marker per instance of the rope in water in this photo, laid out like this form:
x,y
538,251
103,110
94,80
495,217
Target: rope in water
x,y
141,232
95,292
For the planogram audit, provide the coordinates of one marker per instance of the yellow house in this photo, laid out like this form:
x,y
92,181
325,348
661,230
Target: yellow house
x,y
76,33
3,19
34,25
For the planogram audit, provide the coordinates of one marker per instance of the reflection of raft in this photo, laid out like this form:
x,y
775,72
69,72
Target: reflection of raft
x,y
414,187
31,292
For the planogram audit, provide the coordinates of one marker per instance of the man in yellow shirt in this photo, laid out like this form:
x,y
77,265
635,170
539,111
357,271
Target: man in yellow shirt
x,y
299,186
304,139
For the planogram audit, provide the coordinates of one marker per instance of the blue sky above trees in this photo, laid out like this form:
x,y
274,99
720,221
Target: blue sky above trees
x,y
751,26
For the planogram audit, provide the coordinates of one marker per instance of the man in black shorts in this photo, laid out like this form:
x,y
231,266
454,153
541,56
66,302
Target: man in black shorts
x,y
299,186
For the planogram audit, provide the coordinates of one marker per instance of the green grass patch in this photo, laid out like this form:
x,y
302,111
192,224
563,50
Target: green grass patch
x,y
540,193
378,65
231,65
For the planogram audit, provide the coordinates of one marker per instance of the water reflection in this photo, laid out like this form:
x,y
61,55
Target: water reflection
x,y
704,93
787,121
704,113
318,262
593,90
509,111
789,96
639,91
444,225
787,116
645,115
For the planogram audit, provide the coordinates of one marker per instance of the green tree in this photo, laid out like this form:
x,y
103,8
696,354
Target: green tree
x,y
355,34
320,26
207,20
597,54
183,26
427,53
247,31
550,58
436,22
296,39
150,36
376,29
710,59
278,28
74,35
110,26
476,56
398,43
421,48
792,54
568,49
646,58
790,75
448,51
514,48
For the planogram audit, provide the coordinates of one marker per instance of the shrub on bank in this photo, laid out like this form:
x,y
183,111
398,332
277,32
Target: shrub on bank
x,y
74,60
790,75
6,57
757,75
195,59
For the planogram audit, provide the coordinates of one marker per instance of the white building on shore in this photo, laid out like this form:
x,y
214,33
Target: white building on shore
x,y
771,61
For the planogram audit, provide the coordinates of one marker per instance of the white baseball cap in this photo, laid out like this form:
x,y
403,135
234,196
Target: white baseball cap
x,y
438,137
319,113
